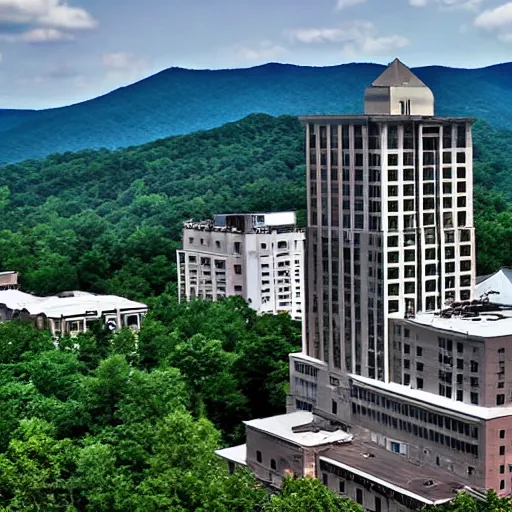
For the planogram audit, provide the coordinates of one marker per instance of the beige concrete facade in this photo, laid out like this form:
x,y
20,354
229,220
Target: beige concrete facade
x,y
243,255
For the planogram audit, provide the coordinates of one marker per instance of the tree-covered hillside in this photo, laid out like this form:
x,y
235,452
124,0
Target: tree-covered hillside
x,y
179,101
111,221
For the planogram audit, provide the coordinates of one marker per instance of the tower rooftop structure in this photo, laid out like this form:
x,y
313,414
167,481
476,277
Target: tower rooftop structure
x,y
398,91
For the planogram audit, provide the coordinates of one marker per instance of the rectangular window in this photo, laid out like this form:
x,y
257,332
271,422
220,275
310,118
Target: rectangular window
x,y
500,399
259,458
502,450
334,407
238,269
359,496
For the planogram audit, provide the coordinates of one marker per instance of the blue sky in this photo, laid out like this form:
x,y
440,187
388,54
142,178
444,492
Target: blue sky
x,y
56,52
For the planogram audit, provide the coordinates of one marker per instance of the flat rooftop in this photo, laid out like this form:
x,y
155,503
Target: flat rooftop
x,y
428,485
236,454
283,427
67,304
488,324
376,118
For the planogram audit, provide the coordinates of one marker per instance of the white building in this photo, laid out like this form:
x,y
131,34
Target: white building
x,y
396,352
390,220
71,312
259,256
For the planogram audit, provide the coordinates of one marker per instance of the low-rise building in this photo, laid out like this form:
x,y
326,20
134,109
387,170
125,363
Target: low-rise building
x,y
259,256
71,312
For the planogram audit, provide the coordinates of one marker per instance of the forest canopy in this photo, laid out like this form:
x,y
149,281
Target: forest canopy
x,y
116,422
110,221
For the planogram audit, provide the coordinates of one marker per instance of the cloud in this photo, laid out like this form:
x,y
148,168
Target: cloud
x,y
265,51
497,18
472,5
498,21
45,35
355,38
42,21
342,4
122,66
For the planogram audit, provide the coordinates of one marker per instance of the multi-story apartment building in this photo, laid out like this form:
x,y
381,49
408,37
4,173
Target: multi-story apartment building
x,y
259,256
396,353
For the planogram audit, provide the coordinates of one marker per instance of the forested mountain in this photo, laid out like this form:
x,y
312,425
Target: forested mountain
x,y
110,221
180,101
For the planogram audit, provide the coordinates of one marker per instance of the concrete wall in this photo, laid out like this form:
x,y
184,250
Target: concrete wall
x,y
270,277
289,459
421,100
498,466
386,101
497,368
409,340
369,496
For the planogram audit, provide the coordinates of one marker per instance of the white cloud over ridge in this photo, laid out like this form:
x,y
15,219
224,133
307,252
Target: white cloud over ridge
x,y
265,51
343,4
123,66
472,5
498,21
41,21
359,37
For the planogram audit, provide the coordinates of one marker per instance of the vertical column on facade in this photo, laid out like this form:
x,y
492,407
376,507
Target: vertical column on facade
x,y
345,266
469,204
384,230
334,260
421,246
364,260
327,272
356,350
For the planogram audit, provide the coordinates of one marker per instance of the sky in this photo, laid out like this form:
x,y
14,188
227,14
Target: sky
x,y
58,52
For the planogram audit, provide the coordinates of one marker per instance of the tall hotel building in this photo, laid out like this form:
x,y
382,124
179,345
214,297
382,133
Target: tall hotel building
x,y
401,395
390,221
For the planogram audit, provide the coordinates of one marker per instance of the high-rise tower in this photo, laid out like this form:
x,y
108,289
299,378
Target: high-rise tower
x,y
390,221
401,395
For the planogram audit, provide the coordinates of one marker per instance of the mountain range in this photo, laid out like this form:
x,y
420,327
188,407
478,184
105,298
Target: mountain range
x,y
180,101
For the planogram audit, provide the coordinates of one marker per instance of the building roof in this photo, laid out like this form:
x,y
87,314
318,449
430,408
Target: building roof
x,y
393,471
398,74
380,118
236,454
68,304
491,324
501,282
305,357
434,401
283,427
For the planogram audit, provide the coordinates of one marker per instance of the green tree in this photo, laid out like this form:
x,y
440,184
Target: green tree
x,y
34,470
309,494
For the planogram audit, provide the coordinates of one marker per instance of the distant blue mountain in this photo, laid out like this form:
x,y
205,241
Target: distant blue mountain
x,y
180,101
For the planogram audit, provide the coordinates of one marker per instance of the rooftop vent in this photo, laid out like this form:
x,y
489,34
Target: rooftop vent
x,y
428,483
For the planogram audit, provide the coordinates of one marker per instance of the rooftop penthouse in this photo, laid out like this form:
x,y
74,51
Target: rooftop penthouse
x,y
247,223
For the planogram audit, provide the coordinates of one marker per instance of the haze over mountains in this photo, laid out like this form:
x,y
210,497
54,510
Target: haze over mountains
x,y
179,101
